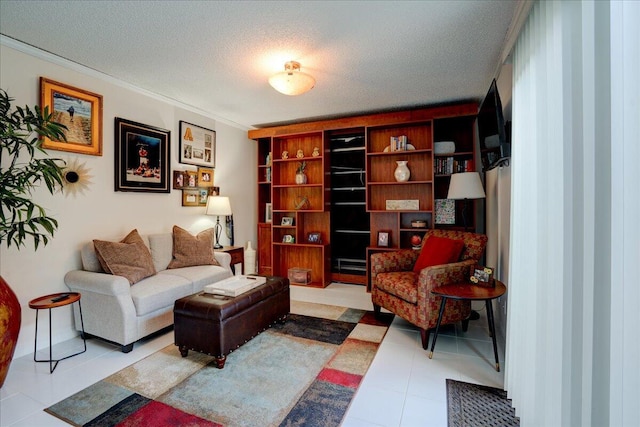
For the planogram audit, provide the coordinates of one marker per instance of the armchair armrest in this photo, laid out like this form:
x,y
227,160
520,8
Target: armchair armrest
x,y
445,274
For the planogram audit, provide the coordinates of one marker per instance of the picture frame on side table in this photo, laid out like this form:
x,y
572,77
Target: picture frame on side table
x,y
79,110
141,157
383,239
197,145
482,276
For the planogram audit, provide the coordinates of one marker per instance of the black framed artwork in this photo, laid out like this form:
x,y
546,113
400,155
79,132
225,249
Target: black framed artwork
x,y
197,145
142,157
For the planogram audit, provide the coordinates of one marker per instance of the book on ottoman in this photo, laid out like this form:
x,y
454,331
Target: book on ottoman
x,y
234,286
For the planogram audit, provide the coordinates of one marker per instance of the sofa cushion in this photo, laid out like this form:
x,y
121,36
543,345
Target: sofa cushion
x,y
129,258
438,250
191,250
200,275
158,291
402,284
161,246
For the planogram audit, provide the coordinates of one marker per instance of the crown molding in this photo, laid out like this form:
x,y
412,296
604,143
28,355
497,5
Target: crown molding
x,y
74,66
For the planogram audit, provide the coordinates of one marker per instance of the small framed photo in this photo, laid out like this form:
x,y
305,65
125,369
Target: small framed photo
x,y
314,237
383,239
287,220
191,197
190,179
482,276
197,145
205,177
288,238
214,191
203,195
79,110
268,212
179,180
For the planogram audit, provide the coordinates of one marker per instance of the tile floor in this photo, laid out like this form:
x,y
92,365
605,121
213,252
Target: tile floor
x,y
402,387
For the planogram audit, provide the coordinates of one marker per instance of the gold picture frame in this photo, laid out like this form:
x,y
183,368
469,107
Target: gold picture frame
x,y
79,110
205,177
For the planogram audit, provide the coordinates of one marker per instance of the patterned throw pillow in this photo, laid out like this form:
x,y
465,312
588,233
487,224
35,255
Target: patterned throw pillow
x,y
438,250
129,258
191,250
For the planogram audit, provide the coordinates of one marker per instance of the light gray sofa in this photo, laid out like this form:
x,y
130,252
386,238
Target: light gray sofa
x,y
122,313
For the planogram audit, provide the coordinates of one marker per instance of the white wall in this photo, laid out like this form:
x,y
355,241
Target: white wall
x,y
101,212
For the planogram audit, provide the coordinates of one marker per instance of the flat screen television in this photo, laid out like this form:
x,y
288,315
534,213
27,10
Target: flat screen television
x,y
495,145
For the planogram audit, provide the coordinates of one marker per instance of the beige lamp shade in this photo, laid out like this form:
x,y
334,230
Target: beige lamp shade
x,y
292,81
465,185
218,206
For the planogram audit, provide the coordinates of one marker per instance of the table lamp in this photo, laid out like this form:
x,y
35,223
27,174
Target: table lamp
x,y
465,186
218,206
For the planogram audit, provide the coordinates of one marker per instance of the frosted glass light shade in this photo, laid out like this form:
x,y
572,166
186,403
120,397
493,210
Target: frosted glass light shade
x,y
218,205
292,81
465,185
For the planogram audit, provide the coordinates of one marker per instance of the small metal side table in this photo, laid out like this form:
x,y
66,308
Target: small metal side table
x,y
471,292
50,302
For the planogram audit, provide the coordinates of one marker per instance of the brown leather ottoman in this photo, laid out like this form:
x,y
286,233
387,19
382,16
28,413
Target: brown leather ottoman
x,y
216,325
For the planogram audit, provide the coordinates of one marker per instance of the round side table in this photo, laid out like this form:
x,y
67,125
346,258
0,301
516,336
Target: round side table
x,y
50,302
470,292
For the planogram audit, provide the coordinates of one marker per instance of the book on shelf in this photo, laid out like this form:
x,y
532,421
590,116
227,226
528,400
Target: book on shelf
x,y
398,143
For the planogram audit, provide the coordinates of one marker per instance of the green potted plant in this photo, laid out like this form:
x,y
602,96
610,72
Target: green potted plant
x,y
22,219
301,177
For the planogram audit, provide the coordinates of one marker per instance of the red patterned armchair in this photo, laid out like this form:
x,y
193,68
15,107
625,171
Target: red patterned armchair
x,y
397,288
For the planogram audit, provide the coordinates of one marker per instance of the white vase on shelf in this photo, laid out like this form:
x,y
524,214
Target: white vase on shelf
x,y
402,172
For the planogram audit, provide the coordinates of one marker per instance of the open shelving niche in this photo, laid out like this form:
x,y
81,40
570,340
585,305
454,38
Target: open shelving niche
x,y
350,233
307,204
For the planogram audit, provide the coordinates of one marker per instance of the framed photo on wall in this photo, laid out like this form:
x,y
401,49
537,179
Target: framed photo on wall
x,y
197,145
79,110
205,177
142,157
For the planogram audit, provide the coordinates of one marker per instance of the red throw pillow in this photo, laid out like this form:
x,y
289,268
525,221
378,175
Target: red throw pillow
x,y
438,250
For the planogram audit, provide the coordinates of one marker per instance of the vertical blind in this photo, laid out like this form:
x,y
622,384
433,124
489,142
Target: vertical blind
x,y
572,331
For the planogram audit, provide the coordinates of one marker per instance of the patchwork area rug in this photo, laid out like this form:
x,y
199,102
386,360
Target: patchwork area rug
x,y
304,372
472,405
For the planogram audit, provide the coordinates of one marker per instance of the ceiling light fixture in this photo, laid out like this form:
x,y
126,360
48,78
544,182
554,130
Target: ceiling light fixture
x,y
292,81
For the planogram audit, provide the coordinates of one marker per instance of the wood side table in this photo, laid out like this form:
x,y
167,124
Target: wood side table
x,y
50,302
471,292
237,256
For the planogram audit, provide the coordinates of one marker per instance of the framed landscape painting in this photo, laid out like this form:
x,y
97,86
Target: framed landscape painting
x,y
142,157
79,110
197,145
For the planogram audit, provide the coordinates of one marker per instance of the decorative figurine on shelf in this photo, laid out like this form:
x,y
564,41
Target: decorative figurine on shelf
x,y
285,154
416,242
268,159
301,177
300,154
316,152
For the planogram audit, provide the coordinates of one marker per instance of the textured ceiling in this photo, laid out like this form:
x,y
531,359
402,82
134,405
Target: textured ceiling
x,y
217,56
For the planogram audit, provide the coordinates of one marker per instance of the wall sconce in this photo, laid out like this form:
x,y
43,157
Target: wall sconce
x,y
292,81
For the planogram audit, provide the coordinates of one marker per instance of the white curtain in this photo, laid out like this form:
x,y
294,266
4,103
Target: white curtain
x,y
497,213
572,333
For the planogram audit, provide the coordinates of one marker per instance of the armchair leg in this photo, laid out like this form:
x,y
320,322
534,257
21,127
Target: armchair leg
x,y
376,311
424,334
465,325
